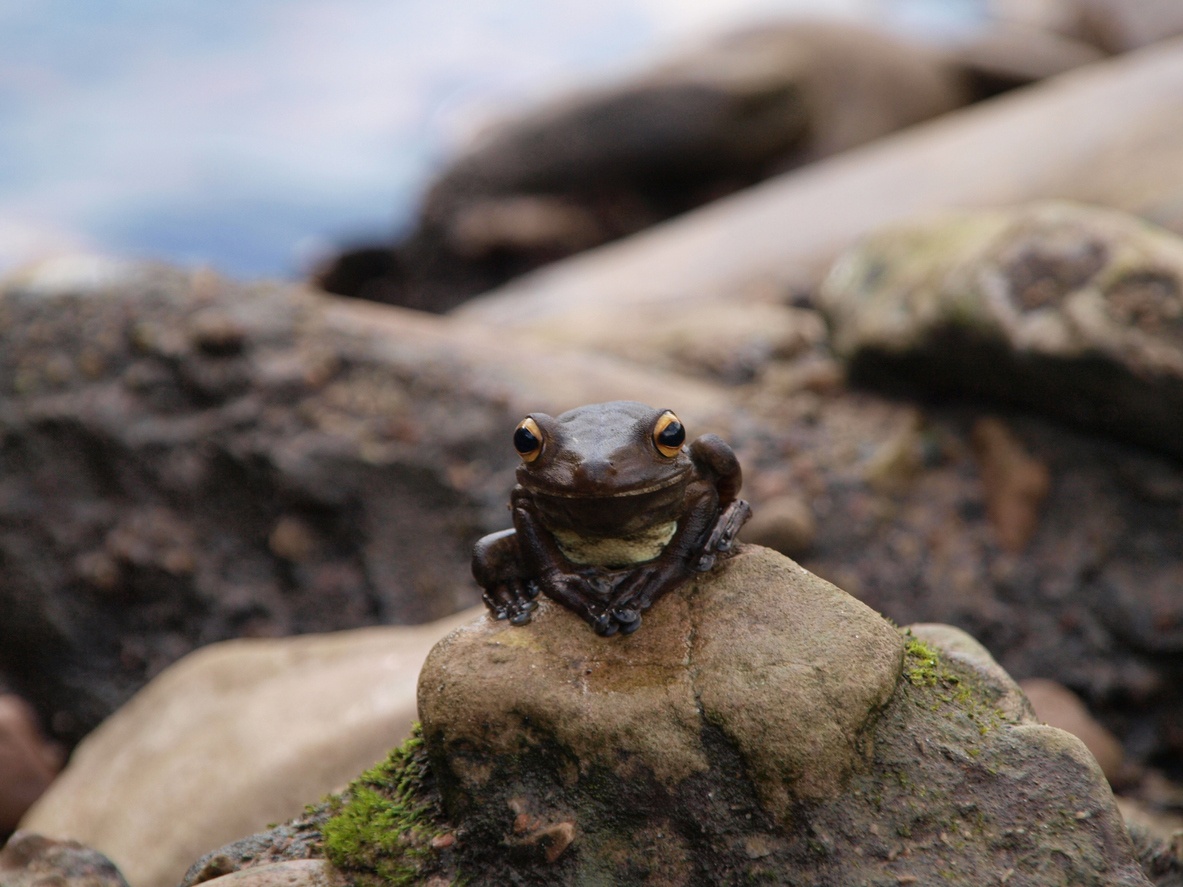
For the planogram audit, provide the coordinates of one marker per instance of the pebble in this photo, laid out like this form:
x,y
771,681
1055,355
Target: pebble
x,y
1058,706
28,761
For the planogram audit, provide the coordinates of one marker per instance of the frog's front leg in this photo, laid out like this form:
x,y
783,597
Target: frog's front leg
x,y
704,532
722,536
584,590
497,567
677,563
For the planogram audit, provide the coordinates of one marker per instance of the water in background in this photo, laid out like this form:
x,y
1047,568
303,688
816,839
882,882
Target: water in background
x,y
255,136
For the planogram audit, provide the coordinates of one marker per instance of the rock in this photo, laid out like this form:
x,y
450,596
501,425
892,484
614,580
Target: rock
x,y
1058,706
31,860
595,165
1002,56
282,721
1072,311
1015,484
289,873
765,726
784,524
1113,25
1109,133
28,762
484,686
187,459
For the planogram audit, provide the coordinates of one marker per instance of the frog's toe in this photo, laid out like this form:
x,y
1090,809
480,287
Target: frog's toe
x,y
630,620
521,617
496,607
605,625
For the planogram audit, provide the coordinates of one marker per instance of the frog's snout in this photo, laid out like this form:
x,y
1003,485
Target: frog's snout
x,y
595,474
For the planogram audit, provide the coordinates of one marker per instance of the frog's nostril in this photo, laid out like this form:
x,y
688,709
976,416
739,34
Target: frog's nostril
x,y
597,471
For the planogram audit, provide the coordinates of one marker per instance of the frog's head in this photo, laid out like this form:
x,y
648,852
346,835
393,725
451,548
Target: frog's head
x,y
607,469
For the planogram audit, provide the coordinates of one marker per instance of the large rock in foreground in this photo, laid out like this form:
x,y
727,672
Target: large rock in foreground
x,y
762,725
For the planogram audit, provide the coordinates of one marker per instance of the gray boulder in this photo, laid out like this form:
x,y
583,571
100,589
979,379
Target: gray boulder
x,y
31,860
1068,310
599,163
765,727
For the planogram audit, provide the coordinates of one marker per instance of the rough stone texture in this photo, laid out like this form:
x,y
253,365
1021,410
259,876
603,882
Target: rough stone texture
x,y
1071,311
1109,133
525,777
31,860
28,763
184,459
595,165
289,873
297,840
1113,25
1058,706
800,750
744,651
285,721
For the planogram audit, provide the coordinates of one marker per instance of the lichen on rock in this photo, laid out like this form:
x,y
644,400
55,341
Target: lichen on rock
x,y
764,728
1071,310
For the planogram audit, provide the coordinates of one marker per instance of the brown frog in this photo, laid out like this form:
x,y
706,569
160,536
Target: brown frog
x,y
611,510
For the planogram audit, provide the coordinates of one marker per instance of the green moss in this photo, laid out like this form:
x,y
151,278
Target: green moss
x,y
381,828
920,662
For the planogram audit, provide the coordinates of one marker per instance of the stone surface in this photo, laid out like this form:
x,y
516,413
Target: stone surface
x,y
1113,25
1058,706
1109,133
762,690
1068,310
289,873
757,673
185,459
764,727
28,763
31,860
233,737
601,163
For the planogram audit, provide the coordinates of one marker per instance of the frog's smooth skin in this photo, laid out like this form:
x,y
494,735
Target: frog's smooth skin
x,y
611,510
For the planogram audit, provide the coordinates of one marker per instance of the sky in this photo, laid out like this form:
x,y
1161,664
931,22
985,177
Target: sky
x,y
259,140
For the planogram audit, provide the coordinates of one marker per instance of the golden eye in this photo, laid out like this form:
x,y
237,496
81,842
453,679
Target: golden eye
x,y
669,435
527,439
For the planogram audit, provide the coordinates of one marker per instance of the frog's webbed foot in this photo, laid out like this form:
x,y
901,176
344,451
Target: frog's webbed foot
x,y
722,536
512,599
587,593
614,620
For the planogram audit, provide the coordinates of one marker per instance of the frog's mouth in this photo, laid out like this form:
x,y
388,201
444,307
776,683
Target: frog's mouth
x,y
623,513
604,489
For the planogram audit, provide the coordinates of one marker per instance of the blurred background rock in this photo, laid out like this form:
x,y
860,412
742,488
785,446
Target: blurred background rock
x,y
185,458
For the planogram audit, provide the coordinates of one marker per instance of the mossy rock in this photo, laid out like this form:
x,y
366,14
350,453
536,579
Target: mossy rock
x,y
1073,311
761,727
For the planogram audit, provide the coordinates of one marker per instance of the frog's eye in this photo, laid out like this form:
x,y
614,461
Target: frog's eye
x,y
527,439
669,434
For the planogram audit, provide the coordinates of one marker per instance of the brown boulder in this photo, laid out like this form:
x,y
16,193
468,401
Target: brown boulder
x,y
28,763
30,860
598,164
1072,311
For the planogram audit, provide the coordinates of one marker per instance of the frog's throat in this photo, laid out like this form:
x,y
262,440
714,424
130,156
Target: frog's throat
x,y
613,552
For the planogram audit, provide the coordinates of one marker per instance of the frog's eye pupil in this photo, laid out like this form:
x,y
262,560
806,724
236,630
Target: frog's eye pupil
x,y
527,440
669,434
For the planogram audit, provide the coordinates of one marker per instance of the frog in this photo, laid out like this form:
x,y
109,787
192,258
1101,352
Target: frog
x,y
612,510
